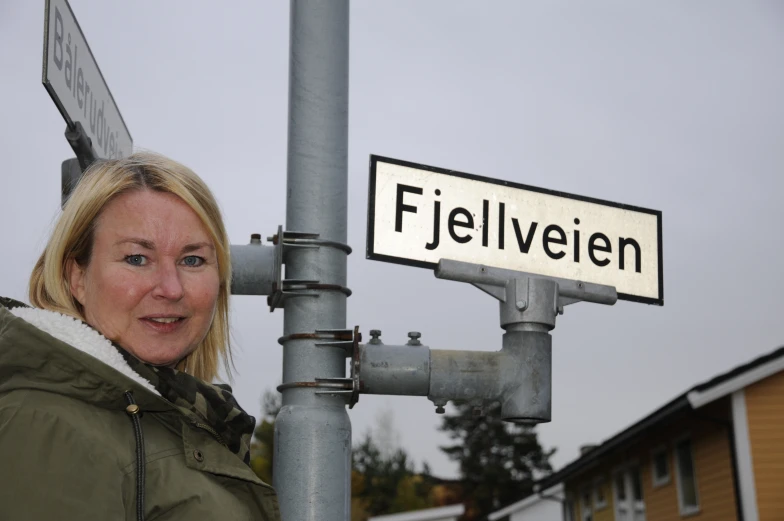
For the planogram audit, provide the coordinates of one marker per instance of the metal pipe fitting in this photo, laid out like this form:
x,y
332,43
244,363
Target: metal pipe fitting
x,y
397,370
252,268
518,376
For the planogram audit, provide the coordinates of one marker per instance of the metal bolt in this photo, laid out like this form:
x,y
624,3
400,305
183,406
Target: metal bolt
x,y
440,409
375,335
521,304
560,310
413,337
255,238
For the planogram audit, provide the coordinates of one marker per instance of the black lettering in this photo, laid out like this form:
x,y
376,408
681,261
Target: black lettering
x,y
592,247
68,64
546,240
75,67
501,208
577,242
524,244
101,126
623,243
453,222
93,113
58,39
80,87
485,221
436,227
86,92
400,207
106,133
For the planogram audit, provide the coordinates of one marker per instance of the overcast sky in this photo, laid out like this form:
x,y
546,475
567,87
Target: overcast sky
x,y
672,106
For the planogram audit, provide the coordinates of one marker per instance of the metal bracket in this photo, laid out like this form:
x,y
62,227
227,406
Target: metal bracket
x,y
346,339
517,290
283,289
81,144
351,385
72,169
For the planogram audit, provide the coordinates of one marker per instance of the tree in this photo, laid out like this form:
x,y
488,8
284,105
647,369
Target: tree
x,y
263,444
379,477
499,461
384,479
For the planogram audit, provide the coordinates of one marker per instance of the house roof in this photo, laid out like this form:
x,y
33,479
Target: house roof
x,y
529,501
427,514
696,397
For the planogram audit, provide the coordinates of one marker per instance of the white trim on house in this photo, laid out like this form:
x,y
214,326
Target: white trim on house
x,y
686,510
740,424
630,505
597,484
586,510
699,398
426,514
553,492
655,480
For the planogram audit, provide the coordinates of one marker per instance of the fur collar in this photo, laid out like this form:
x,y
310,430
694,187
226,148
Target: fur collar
x,y
82,337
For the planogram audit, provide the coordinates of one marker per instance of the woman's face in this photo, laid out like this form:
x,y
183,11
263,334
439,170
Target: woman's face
x,y
152,281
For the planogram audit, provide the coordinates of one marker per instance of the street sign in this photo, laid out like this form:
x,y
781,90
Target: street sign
x,y
73,79
420,214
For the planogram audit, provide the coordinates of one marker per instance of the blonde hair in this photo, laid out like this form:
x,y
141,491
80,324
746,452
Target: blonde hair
x,y
72,241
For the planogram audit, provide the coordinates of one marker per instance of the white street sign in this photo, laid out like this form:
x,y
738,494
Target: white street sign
x,y
420,214
73,79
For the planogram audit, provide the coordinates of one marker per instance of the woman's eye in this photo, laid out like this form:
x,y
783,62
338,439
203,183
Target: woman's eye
x,y
136,260
193,261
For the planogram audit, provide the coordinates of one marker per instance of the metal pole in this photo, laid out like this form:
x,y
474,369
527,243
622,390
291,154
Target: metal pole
x,y
312,466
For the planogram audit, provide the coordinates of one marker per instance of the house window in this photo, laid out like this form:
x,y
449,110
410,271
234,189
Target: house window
x,y
687,479
660,466
620,487
629,502
585,505
568,508
634,477
599,493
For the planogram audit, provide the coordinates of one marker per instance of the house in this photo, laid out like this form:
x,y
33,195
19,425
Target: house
x,y
716,452
448,513
544,506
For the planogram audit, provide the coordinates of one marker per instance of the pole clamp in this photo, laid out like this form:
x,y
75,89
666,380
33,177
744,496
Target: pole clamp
x,y
284,289
345,339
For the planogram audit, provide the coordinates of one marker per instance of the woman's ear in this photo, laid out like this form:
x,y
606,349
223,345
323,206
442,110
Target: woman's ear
x,y
76,280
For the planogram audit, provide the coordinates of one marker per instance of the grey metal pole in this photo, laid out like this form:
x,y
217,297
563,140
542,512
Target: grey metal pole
x,y
312,466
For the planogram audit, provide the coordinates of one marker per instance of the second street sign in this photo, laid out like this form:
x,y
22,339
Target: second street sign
x,y
73,79
420,214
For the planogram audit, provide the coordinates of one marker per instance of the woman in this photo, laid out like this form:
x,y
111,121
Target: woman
x,y
105,407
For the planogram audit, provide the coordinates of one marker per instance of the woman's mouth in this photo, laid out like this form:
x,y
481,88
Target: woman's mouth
x,y
164,324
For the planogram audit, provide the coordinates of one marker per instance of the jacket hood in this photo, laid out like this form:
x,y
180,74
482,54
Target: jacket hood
x,y
49,351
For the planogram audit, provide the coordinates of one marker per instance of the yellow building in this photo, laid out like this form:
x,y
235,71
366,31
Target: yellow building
x,y
714,453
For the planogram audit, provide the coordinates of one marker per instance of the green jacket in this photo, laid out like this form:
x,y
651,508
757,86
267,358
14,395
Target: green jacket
x,y
68,449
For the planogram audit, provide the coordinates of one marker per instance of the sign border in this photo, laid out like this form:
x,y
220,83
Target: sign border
x,y
370,254
48,86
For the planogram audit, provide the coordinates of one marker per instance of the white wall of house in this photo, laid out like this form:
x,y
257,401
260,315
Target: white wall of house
x,y
546,506
539,511
448,513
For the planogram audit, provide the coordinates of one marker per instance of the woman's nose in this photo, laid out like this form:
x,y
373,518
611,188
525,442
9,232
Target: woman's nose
x,y
169,285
